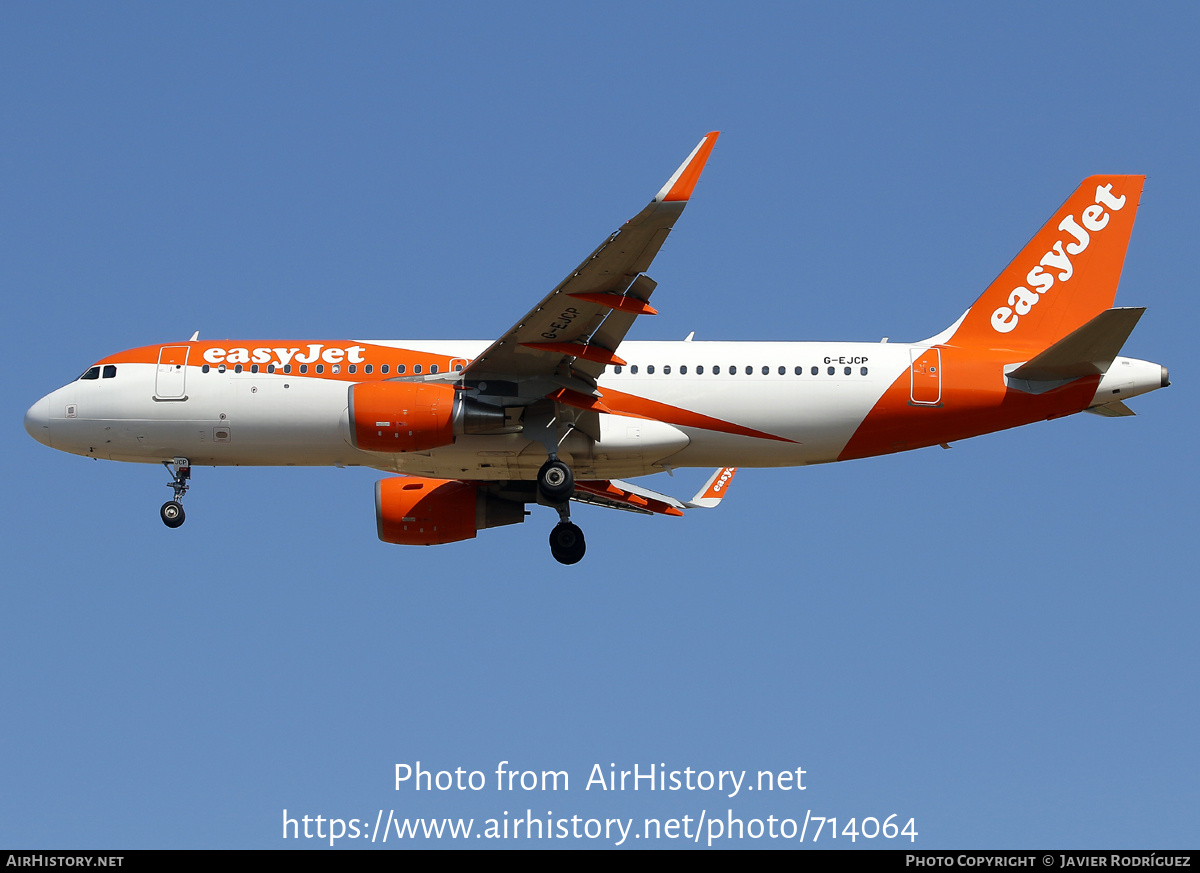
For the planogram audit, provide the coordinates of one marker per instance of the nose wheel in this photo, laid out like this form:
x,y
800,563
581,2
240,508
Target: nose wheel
x,y
172,513
181,473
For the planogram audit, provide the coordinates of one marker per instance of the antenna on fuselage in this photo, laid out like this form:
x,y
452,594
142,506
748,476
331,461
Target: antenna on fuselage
x,y
195,337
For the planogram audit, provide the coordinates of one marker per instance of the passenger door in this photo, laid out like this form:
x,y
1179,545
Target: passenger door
x,y
169,383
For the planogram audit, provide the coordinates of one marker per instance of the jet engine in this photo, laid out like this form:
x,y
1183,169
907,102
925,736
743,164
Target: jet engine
x,y
415,416
415,511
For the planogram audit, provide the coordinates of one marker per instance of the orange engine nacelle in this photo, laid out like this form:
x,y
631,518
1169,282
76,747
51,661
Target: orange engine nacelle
x,y
414,416
415,511
401,416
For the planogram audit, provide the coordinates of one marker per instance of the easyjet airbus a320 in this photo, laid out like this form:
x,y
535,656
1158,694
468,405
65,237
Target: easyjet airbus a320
x,y
549,413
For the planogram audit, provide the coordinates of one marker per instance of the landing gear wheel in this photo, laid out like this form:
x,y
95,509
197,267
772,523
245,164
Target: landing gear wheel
x,y
181,471
566,543
556,483
172,513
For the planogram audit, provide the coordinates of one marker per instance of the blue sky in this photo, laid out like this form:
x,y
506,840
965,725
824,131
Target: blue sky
x,y
997,641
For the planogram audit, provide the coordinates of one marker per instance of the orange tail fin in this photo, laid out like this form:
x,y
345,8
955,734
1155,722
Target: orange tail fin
x,y
1065,276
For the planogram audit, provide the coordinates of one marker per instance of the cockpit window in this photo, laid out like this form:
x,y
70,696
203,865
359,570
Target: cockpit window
x,y
92,373
110,371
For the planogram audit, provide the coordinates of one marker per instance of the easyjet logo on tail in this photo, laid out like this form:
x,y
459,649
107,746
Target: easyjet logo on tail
x,y
1058,260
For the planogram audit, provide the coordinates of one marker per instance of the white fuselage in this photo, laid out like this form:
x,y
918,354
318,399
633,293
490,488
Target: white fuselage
x,y
728,404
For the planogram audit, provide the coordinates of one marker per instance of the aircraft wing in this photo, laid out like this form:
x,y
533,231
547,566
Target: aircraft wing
x,y
617,494
576,328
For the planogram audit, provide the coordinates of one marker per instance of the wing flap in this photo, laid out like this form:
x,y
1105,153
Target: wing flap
x,y
616,494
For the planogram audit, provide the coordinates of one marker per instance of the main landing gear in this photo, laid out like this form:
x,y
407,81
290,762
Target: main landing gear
x,y
556,484
172,510
566,543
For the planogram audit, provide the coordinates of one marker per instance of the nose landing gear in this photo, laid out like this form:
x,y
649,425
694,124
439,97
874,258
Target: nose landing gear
x,y
172,511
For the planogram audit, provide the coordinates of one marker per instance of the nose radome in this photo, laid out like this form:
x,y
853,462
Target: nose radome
x,y
37,421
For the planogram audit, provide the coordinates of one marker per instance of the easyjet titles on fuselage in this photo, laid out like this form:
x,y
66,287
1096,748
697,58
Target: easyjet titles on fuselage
x,y
1022,299
281,357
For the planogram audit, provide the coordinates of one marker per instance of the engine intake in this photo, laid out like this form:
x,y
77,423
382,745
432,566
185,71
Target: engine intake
x,y
415,511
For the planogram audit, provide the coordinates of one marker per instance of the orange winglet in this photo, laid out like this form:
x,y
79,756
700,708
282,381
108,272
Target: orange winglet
x,y
616,301
578,400
595,354
686,176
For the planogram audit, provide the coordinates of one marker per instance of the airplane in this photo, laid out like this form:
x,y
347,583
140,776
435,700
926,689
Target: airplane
x,y
549,413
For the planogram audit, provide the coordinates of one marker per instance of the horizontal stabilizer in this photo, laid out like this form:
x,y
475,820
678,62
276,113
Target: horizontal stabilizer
x,y
1086,351
1116,409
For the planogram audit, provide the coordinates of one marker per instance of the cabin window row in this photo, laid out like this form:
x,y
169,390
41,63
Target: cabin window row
x,y
368,369
733,370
